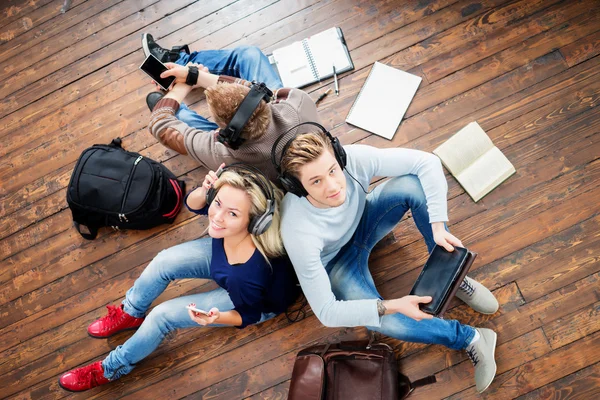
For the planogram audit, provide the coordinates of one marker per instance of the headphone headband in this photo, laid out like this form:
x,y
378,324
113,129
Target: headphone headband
x,y
231,134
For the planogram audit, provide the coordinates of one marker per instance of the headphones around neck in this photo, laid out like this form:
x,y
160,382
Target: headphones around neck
x,y
289,182
260,223
231,134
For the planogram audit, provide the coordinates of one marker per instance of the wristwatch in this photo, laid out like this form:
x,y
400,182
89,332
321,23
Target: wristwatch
x,y
192,76
381,308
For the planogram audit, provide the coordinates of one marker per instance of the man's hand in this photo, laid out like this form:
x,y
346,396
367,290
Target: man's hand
x,y
180,72
444,238
409,306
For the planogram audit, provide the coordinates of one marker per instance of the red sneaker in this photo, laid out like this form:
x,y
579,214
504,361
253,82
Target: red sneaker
x,y
83,378
114,322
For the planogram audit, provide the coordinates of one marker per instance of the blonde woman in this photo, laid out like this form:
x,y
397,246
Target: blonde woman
x,y
244,255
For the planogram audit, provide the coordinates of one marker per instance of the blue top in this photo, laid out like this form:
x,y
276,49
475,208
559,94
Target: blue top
x,y
254,287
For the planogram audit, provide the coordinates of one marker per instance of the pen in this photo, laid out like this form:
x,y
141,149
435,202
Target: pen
x,y
337,89
322,96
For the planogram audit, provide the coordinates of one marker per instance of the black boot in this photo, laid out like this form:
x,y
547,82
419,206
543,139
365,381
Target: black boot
x,y
152,99
164,55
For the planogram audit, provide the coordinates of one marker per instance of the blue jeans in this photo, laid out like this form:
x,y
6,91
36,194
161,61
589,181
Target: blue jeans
x,y
187,260
246,62
349,270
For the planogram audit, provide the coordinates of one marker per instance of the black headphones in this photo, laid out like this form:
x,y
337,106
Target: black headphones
x,y
260,223
289,182
230,135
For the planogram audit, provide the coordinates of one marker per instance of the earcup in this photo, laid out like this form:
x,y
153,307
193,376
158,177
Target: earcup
x,y
292,185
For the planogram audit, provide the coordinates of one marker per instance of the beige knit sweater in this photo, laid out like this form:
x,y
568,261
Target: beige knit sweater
x,y
289,107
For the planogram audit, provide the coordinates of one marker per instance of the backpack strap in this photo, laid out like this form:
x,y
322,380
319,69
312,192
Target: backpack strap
x,y
89,232
116,142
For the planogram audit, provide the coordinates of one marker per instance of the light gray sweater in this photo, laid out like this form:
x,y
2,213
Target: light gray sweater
x,y
313,236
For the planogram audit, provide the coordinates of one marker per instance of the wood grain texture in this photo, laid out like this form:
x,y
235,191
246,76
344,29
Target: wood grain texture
x,y
527,71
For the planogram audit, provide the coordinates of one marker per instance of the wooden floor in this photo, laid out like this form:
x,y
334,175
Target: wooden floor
x,y
528,71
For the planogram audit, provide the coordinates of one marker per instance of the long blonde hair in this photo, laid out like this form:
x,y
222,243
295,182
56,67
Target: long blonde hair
x,y
269,243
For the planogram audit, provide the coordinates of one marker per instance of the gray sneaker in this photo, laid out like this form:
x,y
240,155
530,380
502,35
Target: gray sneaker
x,y
477,296
481,354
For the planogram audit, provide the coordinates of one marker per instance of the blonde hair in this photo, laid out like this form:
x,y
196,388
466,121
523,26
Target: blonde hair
x,y
269,243
223,101
304,149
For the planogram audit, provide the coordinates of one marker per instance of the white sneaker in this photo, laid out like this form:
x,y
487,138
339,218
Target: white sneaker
x,y
477,296
481,354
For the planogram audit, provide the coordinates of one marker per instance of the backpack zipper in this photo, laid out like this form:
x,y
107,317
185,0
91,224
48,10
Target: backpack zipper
x,y
122,217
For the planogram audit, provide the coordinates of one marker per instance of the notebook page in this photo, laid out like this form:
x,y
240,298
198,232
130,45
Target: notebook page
x,y
487,172
463,148
327,50
383,100
293,66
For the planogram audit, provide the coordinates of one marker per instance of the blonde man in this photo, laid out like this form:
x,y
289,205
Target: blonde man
x,y
225,75
331,224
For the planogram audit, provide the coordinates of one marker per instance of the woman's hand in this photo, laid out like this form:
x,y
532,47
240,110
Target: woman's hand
x,y
444,238
409,306
204,320
197,199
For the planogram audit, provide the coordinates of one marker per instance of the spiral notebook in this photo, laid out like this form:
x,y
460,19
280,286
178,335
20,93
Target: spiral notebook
x,y
312,59
383,100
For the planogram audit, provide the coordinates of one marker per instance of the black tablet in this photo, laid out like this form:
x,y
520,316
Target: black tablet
x,y
438,277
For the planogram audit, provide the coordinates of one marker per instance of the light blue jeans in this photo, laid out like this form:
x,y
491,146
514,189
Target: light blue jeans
x,y
349,270
246,62
187,260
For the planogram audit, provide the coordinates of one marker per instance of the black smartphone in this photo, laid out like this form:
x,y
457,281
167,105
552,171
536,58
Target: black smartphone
x,y
438,276
153,67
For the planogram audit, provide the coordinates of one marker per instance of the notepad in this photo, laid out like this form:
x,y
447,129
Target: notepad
x,y
478,165
383,100
312,59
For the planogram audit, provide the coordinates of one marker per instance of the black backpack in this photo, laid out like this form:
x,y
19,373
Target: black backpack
x,y
121,189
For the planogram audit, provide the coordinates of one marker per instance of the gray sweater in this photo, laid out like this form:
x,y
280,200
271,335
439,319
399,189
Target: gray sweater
x,y
313,236
288,108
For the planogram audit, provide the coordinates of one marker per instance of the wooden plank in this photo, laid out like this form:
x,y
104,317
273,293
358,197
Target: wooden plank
x,y
581,385
541,371
50,11
582,49
530,346
573,327
37,35
572,242
279,392
486,45
505,61
12,10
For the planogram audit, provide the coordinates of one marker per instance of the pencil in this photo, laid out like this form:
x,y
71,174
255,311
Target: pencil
x,y
322,96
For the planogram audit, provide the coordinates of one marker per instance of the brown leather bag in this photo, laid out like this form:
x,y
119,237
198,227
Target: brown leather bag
x,y
348,371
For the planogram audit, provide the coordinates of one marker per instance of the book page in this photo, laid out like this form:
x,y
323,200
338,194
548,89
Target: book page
x,y
383,100
327,50
487,172
293,66
462,149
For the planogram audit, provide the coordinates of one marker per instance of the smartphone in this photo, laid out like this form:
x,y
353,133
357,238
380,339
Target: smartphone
x,y
438,276
153,68
198,310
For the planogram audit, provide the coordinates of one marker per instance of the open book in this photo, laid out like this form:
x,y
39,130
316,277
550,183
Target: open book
x,y
312,59
475,162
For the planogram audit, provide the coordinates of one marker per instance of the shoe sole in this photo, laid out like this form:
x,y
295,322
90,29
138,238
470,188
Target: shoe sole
x,y
106,337
495,366
70,390
145,45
